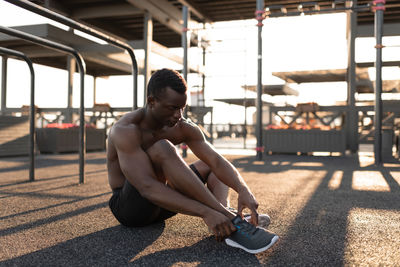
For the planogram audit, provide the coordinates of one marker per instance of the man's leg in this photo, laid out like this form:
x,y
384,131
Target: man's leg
x,y
166,158
218,188
221,191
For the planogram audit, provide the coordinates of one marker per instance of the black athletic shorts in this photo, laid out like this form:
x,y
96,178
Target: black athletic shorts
x,y
133,210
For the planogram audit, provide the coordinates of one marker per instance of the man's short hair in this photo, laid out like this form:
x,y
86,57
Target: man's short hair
x,y
164,78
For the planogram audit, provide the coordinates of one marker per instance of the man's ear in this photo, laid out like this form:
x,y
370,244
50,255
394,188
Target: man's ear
x,y
151,100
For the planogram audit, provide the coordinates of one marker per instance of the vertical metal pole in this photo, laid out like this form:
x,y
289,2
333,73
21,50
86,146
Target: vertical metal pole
x,y
352,116
148,38
245,118
82,126
259,17
211,126
379,7
4,84
71,66
203,75
94,89
31,110
32,126
185,16
185,44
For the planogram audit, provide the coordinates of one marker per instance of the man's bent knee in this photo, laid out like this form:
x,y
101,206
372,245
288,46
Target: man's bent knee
x,y
162,150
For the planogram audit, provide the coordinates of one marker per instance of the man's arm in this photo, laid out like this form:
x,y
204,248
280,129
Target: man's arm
x,y
138,170
222,168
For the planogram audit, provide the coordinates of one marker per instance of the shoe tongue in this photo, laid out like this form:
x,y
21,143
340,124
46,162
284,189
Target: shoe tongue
x,y
237,219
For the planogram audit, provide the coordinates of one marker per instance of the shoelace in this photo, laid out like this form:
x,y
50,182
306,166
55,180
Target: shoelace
x,y
246,227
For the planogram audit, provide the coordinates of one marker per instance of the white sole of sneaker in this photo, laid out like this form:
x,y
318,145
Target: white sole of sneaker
x,y
232,243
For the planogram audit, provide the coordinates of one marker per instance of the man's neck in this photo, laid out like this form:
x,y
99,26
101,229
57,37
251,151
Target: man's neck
x,y
148,122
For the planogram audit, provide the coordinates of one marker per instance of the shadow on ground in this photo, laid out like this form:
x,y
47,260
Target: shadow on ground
x,y
119,245
319,234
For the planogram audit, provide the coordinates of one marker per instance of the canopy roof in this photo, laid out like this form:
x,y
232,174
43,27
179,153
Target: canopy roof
x,y
363,82
315,76
274,89
125,18
246,102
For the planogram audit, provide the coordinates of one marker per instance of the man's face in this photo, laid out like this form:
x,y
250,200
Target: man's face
x,y
168,107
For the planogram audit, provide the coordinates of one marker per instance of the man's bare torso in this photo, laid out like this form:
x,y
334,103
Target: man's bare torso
x,y
147,138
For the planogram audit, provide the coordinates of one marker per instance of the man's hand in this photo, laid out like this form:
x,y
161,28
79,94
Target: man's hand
x,y
220,225
247,200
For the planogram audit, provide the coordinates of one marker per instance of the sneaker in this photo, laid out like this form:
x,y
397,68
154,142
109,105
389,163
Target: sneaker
x,y
249,237
263,219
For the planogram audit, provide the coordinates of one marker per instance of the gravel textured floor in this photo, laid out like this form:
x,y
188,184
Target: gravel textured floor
x,y
328,211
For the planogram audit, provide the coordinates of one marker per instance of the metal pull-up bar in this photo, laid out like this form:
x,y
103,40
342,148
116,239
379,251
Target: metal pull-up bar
x,y
76,25
17,54
82,71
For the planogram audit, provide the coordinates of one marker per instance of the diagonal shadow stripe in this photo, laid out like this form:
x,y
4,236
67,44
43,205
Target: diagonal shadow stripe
x,y
38,180
63,216
52,206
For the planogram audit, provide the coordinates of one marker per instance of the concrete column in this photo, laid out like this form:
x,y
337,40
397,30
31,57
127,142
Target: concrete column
x,y
4,84
352,115
148,39
71,67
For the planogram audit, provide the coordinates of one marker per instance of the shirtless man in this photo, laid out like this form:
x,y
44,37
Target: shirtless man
x,y
151,182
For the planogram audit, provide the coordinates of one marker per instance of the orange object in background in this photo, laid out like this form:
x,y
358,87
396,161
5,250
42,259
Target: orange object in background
x,y
67,125
61,125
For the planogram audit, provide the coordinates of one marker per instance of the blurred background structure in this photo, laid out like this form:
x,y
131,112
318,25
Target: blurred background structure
x,y
244,90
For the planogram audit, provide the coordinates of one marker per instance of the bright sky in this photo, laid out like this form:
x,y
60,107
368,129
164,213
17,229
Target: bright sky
x,y
289,44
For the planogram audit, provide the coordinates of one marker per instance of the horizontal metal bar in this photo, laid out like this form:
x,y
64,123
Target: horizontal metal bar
x,y
79,26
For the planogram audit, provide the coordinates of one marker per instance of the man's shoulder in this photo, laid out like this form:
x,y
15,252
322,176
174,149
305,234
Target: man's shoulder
x,y
187,124
189,129
124,132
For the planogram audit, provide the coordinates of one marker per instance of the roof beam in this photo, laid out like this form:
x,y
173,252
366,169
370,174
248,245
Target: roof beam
x,y
107,61
384,64
123,9
389,29
37,51
163,16
194,10
56,6
164,12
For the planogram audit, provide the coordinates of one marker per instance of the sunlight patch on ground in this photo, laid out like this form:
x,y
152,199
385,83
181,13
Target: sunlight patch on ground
x,y
336,180
365,160
396,176
368,234
369,181
308,164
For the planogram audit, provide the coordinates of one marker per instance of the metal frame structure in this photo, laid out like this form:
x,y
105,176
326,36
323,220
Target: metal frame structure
x,y
82,71
17,54
378,6
73,24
